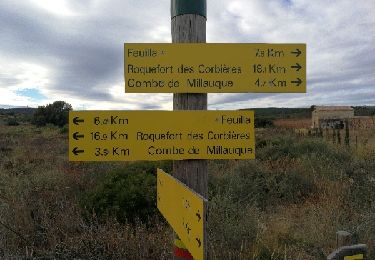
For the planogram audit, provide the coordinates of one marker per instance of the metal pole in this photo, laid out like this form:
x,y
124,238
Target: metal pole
x,y
189,26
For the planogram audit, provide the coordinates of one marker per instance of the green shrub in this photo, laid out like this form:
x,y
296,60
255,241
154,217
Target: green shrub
x,y
251,183
56,114
128,194
64,129
12,122
287,146
263,122
51,126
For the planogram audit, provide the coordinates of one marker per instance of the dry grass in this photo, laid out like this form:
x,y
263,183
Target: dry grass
x,y
295,123
40,214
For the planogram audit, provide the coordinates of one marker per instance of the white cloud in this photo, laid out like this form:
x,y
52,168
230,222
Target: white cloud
x,y
72,50
17,75
56,7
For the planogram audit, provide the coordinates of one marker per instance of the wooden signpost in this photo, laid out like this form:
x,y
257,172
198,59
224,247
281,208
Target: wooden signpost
x,y
187,135
188,25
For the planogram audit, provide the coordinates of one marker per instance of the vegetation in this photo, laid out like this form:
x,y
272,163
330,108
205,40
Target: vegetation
x,y
128,194
56,113
18,110
286,204
364,111
12,122
263,122
41,209
264,116
285,113
15,116
276,112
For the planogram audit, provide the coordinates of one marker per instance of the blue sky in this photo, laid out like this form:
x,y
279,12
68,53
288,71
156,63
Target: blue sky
x,y
73,50
32,94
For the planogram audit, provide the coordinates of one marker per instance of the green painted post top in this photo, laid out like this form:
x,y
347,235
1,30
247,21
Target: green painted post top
x,y
179,7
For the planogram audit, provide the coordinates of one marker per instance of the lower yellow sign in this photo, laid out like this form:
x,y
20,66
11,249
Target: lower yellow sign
x,y
185,211
354,257
160,135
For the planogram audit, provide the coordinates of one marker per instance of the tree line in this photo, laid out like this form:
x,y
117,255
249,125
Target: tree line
x,y
56,113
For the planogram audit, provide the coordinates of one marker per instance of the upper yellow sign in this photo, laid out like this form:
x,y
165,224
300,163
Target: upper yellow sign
x,y
160,135
215,68
185,211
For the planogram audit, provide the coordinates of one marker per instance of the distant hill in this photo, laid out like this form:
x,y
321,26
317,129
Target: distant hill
x,y
18,110
277,113
364,111
282,113
268,113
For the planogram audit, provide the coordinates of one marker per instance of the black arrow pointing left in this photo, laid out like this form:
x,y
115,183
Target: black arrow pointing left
x,y
77,120
297,82
77,136
76,151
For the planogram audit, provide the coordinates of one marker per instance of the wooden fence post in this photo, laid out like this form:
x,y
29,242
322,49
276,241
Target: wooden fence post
x,y
347,133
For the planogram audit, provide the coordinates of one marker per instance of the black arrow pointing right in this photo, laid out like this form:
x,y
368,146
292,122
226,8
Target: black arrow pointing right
x,y
77,136
77,120
297,52
199,242
76,151
297,82
297,67
199,216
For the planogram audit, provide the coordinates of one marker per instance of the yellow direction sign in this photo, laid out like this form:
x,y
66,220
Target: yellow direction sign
x,y
354,257
214,67
185,211
160,135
